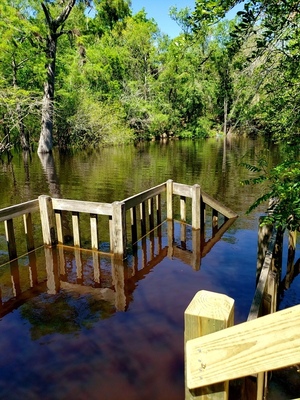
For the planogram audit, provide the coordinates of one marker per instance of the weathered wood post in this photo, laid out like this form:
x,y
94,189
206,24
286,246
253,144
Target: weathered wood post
x,y
143,218
158,209
183,208
290,268
133,220
76,229
196,207
151,212
94,231
119,229
208,312
47,220
264,234
169,199
28,231
59,227
10,239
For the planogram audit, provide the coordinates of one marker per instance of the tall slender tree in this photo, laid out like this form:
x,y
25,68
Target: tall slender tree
x,y
55,27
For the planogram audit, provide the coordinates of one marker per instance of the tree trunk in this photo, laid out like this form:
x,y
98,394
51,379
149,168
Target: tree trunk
x,y
46,136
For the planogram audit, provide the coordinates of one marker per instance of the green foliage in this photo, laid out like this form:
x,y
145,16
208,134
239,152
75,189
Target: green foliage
x,y
282,185
96,123
216,76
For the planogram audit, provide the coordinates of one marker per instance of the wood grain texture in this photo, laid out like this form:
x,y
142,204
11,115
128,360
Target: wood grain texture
x,y
263,344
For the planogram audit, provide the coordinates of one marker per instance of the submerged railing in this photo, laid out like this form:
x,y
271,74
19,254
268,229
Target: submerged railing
x,y
146,210
52,225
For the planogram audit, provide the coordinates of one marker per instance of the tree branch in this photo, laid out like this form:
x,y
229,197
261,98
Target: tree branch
x,y
64,14
47,14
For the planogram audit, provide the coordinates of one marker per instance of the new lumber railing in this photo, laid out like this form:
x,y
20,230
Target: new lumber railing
x,y
267,341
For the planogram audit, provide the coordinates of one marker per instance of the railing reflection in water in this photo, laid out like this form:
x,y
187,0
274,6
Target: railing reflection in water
x,y
101,275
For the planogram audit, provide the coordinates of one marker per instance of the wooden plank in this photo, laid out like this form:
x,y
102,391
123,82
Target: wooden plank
x,y
133,222
151,212
181,189
170,185
263,344
76,229
216,205
215,218
143,218
264,235
18,210
59,227
196,204
94,231
47,220
89,207
290,268
119,230
256,306
183,208
158,208
27,219
10,239
144,196
207,312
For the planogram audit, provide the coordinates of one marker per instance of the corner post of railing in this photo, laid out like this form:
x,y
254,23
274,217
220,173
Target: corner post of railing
x,y
196,206
47,220
169,199
119,229
264,235
207,313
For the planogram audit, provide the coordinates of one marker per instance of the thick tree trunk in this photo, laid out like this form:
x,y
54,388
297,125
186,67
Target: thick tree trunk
x,y
46,136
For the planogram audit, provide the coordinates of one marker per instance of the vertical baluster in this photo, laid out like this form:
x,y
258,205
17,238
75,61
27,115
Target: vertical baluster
x,y
76,231
10,238
94,231
28,231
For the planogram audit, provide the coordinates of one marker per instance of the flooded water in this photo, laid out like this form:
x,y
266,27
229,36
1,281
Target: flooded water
x,y
76,325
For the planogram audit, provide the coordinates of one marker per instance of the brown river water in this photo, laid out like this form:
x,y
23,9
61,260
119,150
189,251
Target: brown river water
x,y
68,337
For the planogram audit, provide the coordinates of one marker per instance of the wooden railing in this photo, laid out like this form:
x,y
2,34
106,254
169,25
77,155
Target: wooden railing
x,y
146,211
64,221
7,215
267,341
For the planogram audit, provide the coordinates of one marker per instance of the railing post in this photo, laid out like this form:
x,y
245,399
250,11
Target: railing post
x,y
28,231
292,235
264,234
196,207
10,239
208,312
119,229
47,220
169,199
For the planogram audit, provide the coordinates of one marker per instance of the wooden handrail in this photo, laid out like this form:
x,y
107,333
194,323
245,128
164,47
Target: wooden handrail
x,y
256,306
263,344
139,198
19,210
82,206
51,209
